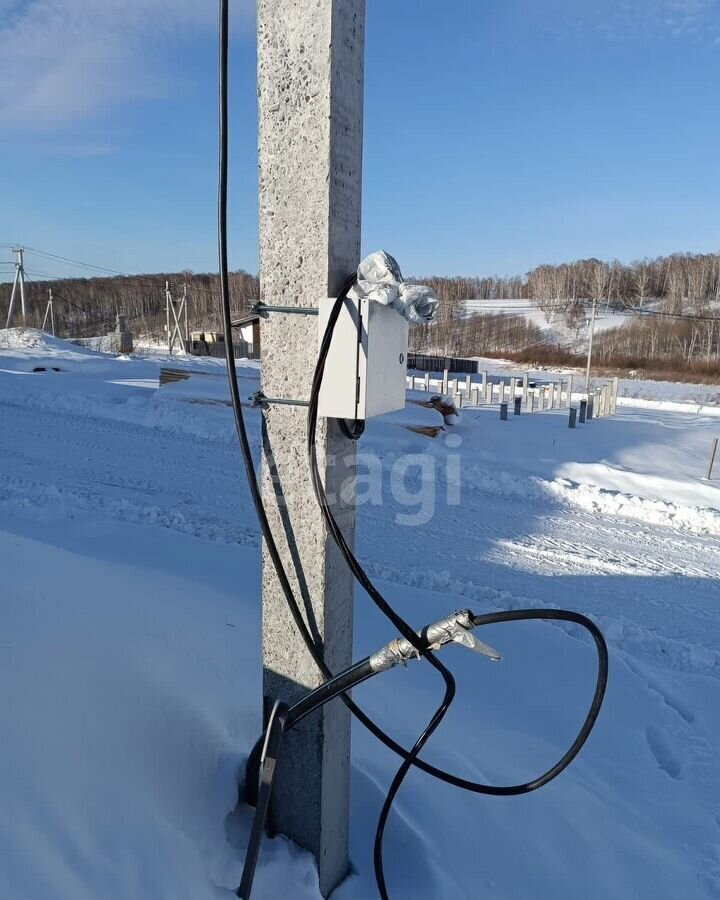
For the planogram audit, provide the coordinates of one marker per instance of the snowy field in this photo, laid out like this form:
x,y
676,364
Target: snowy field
x,y
551,323
131,667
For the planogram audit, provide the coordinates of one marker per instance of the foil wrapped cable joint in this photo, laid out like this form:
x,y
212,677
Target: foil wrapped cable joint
x,y
452,629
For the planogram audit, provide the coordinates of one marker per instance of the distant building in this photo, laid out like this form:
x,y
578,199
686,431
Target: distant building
x,y
246,340
249,329
121,340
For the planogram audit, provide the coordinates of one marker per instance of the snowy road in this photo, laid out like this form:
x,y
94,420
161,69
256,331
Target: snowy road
x,y
545,518
68,463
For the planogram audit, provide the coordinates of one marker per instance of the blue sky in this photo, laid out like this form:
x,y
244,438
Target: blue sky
x,y
498,134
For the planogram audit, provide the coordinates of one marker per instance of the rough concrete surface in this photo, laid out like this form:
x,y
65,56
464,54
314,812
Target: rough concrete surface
x,y
310,70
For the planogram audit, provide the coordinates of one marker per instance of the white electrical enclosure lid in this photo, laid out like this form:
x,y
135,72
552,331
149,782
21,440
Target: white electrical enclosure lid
x,y
366,368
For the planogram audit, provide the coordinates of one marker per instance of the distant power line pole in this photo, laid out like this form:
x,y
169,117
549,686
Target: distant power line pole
x,y
19,280
175,330
49,311
590,346
168,304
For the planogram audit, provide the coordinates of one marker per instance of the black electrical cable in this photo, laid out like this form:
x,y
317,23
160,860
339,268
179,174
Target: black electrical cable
x,y
405,630
268,536
363,579
410,757
257,499
359,672
352,429
363,670
356,674
319,489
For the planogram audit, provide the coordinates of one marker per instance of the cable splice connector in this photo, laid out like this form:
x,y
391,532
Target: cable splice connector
x,y
453,629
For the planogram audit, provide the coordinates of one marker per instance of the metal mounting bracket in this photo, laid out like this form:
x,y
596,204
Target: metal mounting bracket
x,y
268,766
258,399
264,309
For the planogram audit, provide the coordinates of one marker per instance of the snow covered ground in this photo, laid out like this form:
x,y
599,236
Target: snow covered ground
x,y
131,693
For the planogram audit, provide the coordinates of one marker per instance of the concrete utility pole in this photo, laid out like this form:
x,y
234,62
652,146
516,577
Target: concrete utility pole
x,y
590,347
19,281
311,80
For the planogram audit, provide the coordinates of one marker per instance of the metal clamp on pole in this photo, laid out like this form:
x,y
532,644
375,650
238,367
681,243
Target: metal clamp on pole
x,y
258,399
264,310
268,766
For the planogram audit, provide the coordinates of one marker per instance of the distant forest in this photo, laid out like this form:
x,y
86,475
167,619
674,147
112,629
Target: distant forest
x,y
85,307
676,301
675,327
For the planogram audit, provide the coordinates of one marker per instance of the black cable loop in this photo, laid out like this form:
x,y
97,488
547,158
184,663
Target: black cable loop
x,y
364,581
410,757
353,429
361,576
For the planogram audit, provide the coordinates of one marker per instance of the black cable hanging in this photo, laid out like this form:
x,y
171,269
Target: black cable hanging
x,y
337,686
362,578
352,429
241,429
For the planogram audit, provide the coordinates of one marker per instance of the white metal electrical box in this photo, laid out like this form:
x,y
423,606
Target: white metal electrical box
x,y
366,368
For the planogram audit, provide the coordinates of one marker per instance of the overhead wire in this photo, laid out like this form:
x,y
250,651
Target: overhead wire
x,y
75,262
44,275
640,313
557,304
670,315
82,310
151,282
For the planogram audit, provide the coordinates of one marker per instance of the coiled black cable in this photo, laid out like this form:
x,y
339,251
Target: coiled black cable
x,y
364,581
511,616
270,543
410,757
241,429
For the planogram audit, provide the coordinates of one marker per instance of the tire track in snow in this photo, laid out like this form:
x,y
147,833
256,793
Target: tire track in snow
x,y
582,557
47,502
591,498
57,465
